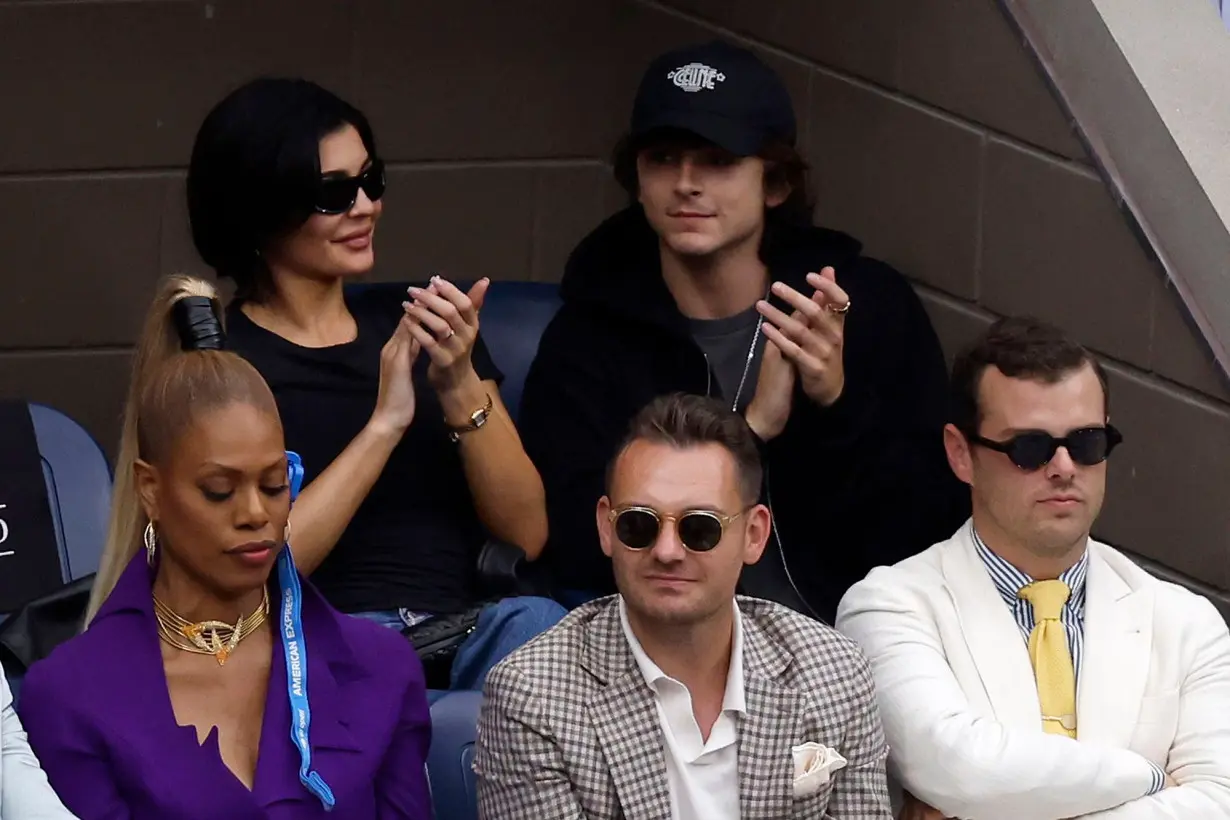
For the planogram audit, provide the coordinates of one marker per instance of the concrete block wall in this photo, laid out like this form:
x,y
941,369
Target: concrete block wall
x,y
931,135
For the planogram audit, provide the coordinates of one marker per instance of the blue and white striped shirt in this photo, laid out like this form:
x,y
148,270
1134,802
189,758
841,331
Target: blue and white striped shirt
x,y
1010,581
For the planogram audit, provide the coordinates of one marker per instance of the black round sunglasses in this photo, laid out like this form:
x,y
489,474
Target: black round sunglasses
x,y
337,195
1033,450
638,528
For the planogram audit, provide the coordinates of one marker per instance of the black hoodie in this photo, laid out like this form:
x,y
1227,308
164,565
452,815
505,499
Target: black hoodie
x,y
861,483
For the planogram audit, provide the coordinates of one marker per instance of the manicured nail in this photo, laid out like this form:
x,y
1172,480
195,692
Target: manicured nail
x,y
413,291
405,305
778,287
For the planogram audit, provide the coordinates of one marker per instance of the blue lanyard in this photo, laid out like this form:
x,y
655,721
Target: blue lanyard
x,y
294,647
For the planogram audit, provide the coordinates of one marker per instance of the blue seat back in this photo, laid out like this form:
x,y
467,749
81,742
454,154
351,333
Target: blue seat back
x,y
454,732
78,489
513,318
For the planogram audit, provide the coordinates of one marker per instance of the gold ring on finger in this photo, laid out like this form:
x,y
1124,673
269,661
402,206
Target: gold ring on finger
x,y
839,309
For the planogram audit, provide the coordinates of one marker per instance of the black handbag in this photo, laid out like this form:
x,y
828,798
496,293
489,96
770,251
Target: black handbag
x,y
436,641
439,637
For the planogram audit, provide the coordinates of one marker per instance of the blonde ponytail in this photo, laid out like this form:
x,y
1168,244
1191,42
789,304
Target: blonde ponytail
x,y
167,386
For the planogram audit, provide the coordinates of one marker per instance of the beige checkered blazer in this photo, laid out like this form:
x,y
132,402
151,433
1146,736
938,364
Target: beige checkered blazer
x,y
569,729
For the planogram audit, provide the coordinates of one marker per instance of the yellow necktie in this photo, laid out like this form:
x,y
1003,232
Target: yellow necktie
x,y
1052,660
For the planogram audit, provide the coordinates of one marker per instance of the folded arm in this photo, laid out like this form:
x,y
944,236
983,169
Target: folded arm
x,y
519,767
954,758
1199,759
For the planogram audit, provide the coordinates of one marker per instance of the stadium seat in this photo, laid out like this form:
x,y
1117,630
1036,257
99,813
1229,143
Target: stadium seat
x,y
454,731
78,489
78,480
513,319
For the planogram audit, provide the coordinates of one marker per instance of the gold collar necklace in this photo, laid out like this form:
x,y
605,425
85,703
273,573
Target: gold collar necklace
x,y
207,637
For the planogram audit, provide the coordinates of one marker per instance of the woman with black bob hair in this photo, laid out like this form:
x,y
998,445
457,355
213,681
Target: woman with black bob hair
x,y
412,462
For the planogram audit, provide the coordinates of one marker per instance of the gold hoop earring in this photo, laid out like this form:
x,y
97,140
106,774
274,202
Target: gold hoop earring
x,y
151,543
286,534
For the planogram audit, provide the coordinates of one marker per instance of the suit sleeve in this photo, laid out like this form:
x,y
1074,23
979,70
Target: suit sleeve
x,y
955,759
71,754
519,768
570,426
861,790
1199,760
881,442
401,783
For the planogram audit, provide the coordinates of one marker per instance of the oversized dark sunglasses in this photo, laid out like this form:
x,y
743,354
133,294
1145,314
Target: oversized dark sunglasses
x,y
1031,451
337,195
638,528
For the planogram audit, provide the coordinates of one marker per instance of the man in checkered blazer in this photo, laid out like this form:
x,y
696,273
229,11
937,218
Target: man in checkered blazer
x,y
677,700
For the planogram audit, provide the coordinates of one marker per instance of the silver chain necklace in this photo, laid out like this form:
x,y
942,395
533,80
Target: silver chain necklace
x,y
747,365
751,354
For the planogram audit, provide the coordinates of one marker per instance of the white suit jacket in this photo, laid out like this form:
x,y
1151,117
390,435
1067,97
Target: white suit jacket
x,y
25,793
960,707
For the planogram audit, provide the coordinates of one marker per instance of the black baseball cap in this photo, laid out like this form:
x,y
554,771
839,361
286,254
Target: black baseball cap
x,y
718,91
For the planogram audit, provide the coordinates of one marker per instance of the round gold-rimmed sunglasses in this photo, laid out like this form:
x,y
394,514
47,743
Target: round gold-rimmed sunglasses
x,y
638,528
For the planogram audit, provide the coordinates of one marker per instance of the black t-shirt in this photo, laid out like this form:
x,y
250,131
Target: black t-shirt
x,y
414,540
726,344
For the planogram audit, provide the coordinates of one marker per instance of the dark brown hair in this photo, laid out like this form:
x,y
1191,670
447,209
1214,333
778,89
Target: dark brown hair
x,y
785,166
683,420
1020,348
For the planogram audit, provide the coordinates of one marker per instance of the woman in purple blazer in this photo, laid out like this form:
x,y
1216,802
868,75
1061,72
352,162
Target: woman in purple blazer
x,y
213,682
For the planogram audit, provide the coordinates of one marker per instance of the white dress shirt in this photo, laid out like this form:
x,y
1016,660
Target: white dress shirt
x,y
703,775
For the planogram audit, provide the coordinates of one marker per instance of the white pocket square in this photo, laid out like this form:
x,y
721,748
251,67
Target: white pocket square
x,y
813,764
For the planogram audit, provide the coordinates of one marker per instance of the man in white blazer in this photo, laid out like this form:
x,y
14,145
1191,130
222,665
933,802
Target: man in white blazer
x,y
25,793
1110,701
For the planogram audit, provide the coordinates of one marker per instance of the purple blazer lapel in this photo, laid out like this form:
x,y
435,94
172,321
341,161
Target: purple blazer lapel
x,y
336,754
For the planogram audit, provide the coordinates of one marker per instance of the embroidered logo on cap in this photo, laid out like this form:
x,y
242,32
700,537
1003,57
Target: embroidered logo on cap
x,y
696,77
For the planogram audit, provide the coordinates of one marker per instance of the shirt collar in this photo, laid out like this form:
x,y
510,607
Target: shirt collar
x,y
1010,581
733,700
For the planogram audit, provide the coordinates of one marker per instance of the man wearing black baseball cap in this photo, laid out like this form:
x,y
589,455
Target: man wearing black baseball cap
x,y
714,280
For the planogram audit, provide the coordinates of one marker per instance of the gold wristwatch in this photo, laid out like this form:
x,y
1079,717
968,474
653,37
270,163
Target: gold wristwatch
x,y
477,419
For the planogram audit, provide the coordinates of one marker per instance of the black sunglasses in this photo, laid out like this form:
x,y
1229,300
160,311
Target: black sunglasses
x,y
1031,451
638,528
337,195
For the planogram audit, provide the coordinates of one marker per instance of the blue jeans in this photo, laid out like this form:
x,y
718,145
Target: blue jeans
x,y
502,627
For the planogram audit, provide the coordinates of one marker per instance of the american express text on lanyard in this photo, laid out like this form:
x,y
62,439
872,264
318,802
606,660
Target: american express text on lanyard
x,y
294,647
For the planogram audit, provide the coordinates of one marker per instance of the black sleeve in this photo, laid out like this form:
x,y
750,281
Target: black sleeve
x,y
571,423
484,365
875,459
